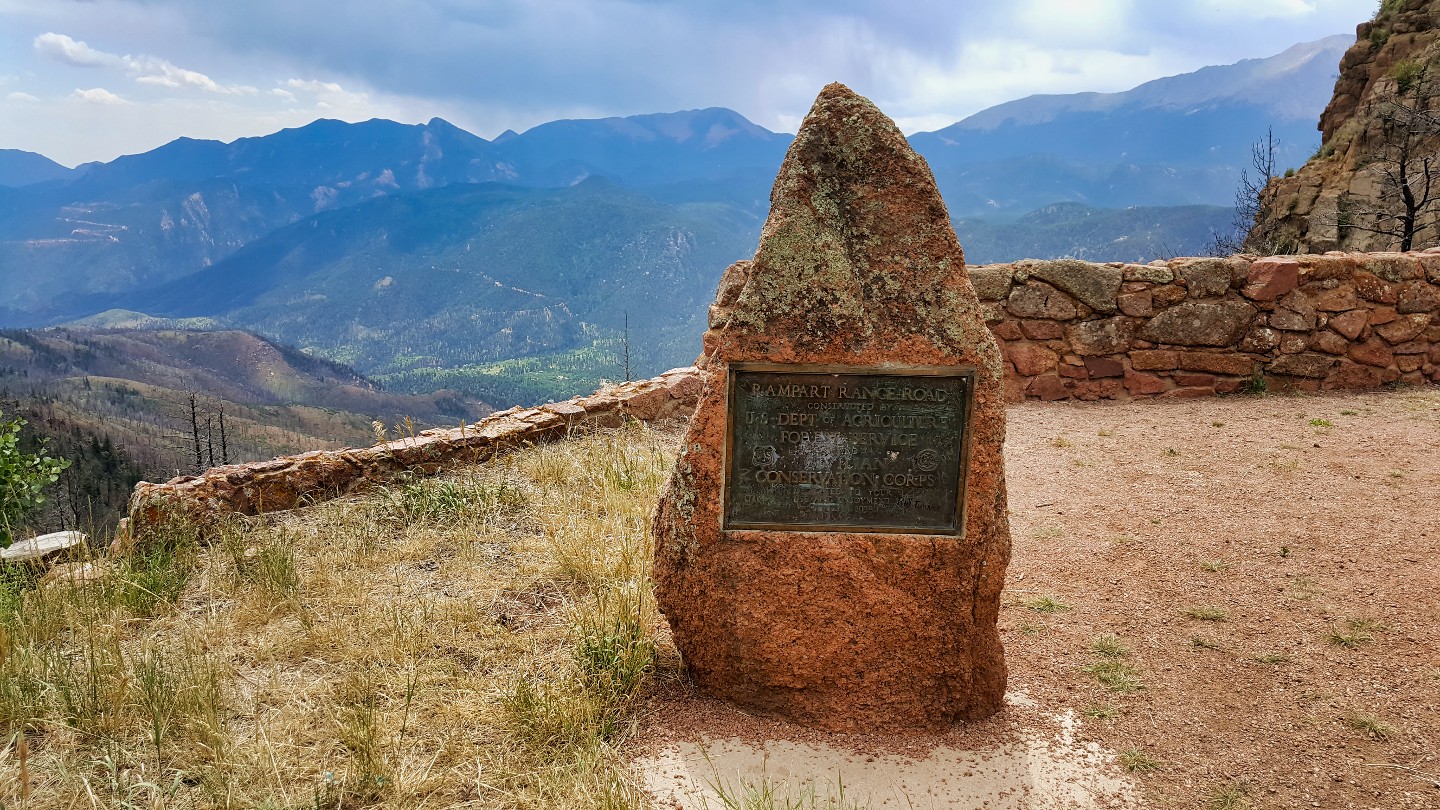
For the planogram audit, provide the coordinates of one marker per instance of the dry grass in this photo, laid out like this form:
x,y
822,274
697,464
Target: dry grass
x,y
473,640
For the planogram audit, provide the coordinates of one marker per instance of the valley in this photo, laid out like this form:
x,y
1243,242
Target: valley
x,y
424,275
128,404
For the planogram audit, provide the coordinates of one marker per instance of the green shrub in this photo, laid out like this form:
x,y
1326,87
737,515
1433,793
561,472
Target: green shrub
x,y
23,477
1407,74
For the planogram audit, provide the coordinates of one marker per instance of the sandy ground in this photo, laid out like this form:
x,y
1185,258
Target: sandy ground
x,y
1267,568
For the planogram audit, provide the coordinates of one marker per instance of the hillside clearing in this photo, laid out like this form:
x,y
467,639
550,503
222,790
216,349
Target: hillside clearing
x,y
1231,598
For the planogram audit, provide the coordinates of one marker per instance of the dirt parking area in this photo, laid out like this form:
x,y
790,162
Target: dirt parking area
x,y
1215,603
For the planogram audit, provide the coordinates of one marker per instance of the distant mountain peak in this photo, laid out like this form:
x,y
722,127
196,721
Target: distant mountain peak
x,y
19,168
1278,82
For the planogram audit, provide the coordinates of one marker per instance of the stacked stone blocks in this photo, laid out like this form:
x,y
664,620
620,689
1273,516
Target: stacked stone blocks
x,y
293,481
1197,326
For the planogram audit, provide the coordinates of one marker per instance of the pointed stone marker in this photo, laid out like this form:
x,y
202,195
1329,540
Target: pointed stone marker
x,y
833,540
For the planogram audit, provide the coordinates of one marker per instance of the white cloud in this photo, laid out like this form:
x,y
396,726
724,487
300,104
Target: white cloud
x,y
162,73
328,95
73,52
314,86
97,95
18,96
499,64
145,69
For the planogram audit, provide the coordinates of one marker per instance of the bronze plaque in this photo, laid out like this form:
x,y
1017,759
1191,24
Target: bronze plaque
x,y
823,448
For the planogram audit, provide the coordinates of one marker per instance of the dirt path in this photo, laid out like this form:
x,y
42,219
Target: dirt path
x,y
1256,579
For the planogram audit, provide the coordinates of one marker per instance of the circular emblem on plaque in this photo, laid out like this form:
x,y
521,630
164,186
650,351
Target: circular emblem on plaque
x,y
927,461
764,457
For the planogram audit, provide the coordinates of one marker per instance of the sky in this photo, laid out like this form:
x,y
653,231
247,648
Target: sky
x,y
84,80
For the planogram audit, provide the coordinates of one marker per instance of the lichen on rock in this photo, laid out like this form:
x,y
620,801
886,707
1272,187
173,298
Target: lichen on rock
x,y
858,265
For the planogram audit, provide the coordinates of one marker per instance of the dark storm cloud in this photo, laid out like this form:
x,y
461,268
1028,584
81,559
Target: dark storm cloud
x,y
628,55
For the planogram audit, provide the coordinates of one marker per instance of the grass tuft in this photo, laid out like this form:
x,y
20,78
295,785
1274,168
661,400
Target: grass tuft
x,y
1046,604
1109,646
1370,726
1136,761
1355,633
1229,796
1102,711
1207,613
1117,676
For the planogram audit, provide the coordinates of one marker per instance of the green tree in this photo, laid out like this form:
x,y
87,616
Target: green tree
x,y
23,477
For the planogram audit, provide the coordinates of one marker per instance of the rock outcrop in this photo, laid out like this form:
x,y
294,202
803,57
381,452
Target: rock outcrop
x,y
858,266
1336,200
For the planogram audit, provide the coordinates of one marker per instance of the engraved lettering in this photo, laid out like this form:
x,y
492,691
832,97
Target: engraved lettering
x,y
846,450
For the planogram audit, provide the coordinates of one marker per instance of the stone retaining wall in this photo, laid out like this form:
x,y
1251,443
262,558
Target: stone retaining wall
x,y
1197,327
1069,329
291,481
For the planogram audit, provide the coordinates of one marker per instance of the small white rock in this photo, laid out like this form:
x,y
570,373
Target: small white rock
x,y
37,549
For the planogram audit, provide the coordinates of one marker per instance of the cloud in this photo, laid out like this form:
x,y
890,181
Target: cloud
x,y
327,95
145,69
162,73
97,95
489,65
19,96
517,63
72,52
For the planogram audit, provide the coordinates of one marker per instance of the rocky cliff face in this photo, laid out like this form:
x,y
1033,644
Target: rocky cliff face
x,y
1380,134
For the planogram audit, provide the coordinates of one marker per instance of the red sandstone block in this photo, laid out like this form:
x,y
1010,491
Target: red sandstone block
x,y
1139,384
1048,388
1188,393
565,409
1370,287
1336,300
1418,296
1104,367
1031,359
1154,360
1008,330
1270,278
1238,365
1098,389
1330,343
1136,304
1380,315
1229,386
687,387
1350,324
1353,376
1189,380
1373,352
1409,362
1042,330
1404,328
1014,389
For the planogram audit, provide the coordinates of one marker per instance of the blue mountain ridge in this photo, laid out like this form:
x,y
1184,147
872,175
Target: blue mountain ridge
x,y
247,233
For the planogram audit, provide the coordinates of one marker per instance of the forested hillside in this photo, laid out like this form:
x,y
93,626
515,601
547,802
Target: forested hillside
x,y
125,404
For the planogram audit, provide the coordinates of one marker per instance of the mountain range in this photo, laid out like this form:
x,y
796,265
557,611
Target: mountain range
x,y
407,250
